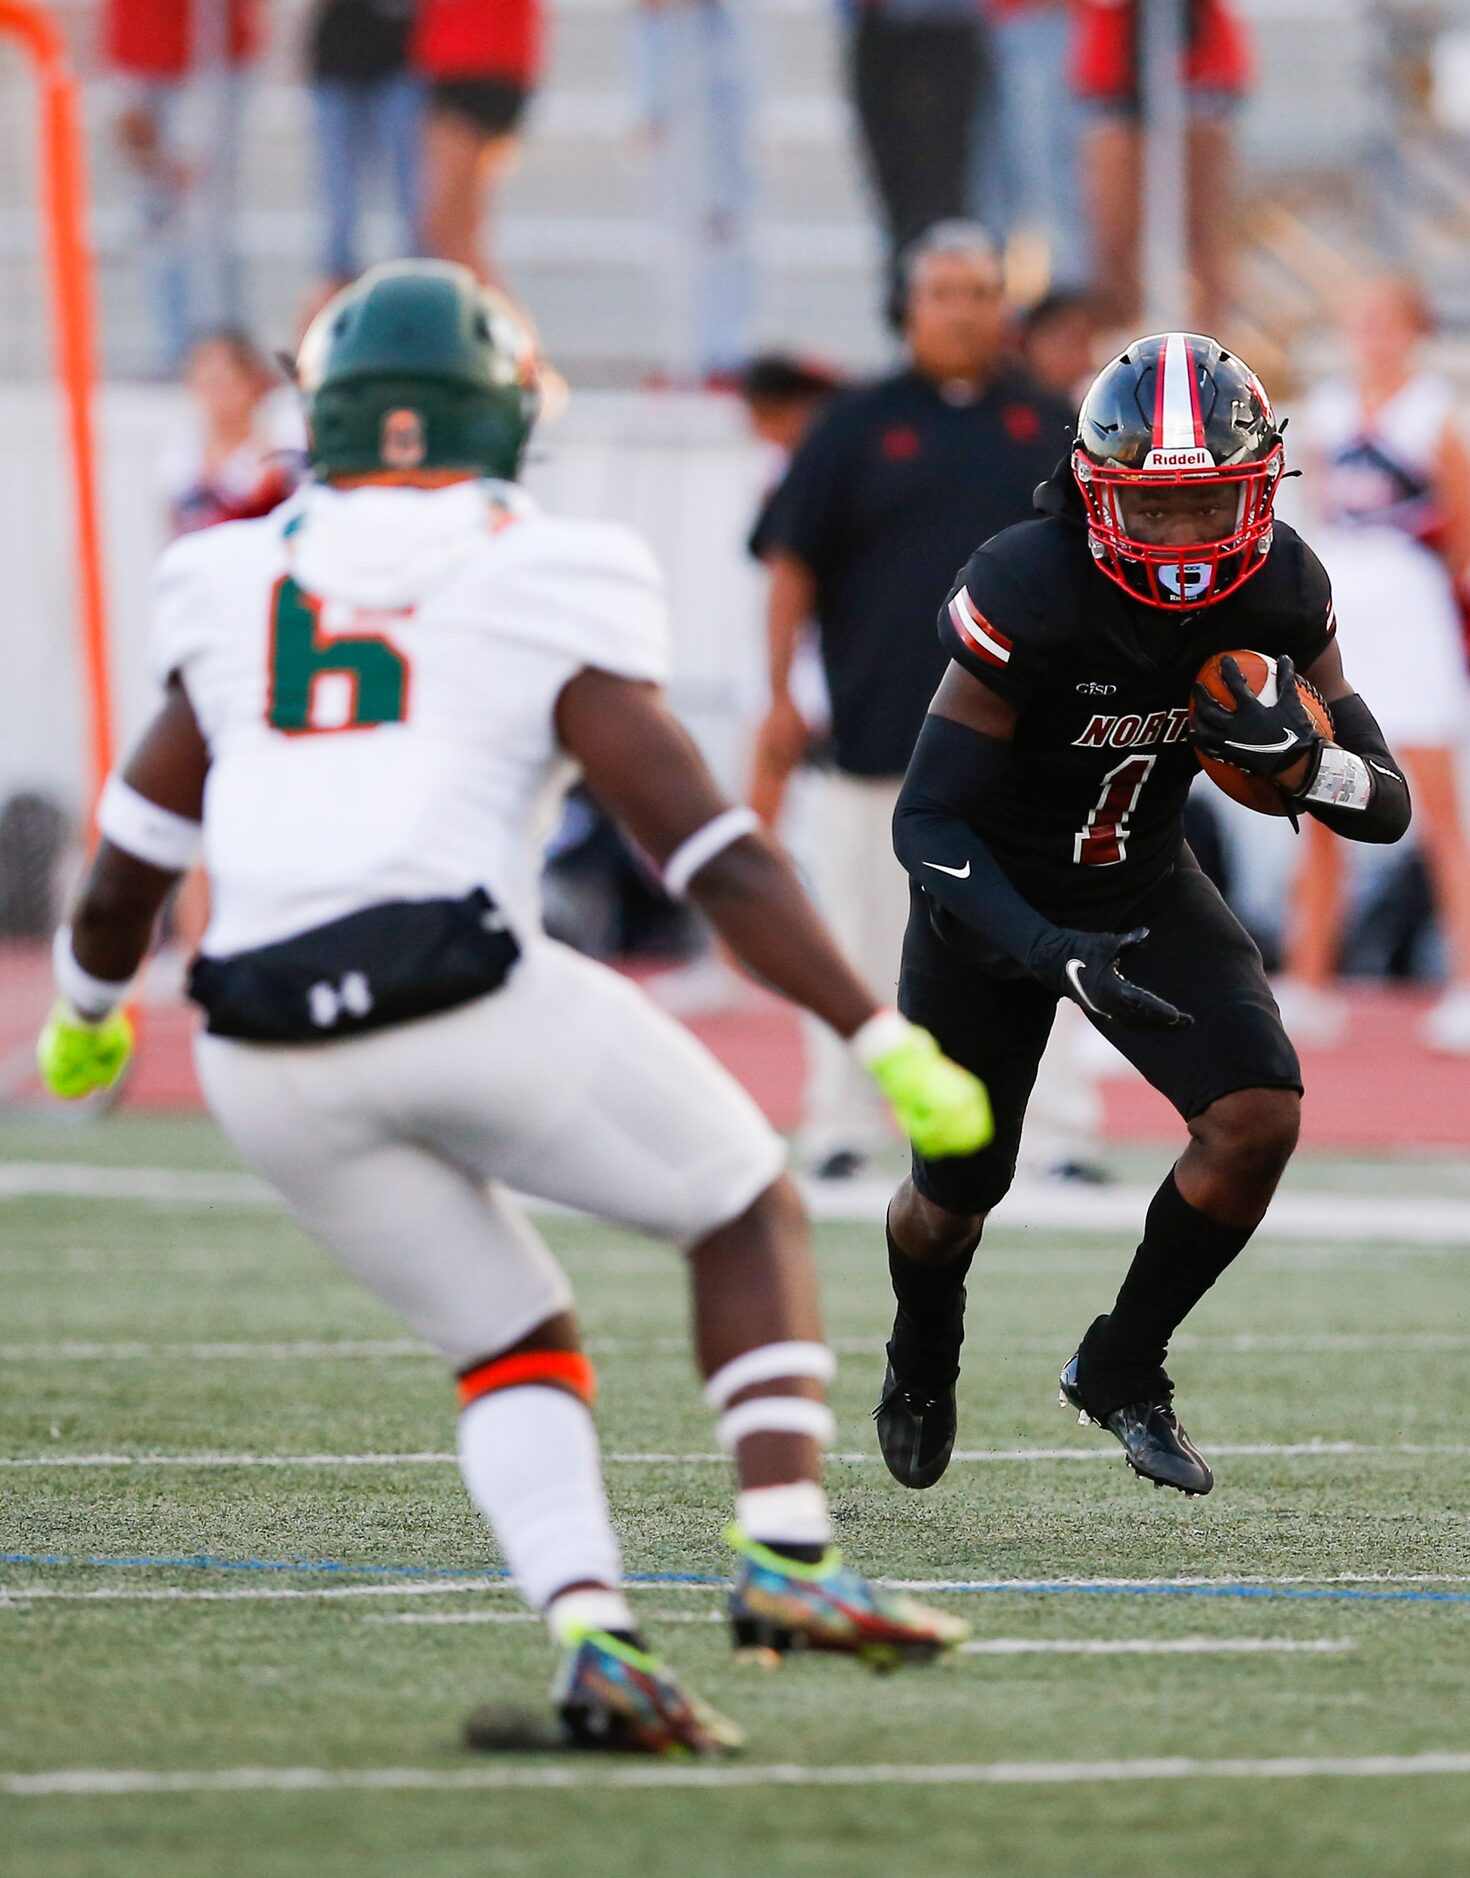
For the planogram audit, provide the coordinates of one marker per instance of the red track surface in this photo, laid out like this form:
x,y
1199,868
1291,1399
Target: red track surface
x,y
1379,1090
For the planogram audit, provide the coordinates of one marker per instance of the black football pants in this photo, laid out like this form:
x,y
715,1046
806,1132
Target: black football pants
x,y
996,1023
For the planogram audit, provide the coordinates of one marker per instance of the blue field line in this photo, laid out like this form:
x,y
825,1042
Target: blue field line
x,y
204,1561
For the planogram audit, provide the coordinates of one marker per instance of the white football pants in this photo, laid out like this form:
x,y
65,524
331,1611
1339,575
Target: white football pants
x,y
390,1148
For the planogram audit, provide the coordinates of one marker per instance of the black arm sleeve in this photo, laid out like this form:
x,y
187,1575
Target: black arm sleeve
x,y
948,776
1386,818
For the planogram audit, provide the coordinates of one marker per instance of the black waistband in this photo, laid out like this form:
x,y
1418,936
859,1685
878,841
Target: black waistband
x,y
384,965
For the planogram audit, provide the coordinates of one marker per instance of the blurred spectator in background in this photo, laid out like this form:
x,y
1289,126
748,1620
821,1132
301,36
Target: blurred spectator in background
x,y
482,59
367,106
1391,481
693,85
1024,182
171,54
915,70
783,397
1106,68
243,447
889,493
1059,340
239,454
782,394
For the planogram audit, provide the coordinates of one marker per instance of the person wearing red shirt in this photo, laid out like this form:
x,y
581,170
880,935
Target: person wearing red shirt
x,y
481,59
1106,73
187,186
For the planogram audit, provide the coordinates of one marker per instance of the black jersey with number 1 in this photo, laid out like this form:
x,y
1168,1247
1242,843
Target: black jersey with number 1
x,y
1089,814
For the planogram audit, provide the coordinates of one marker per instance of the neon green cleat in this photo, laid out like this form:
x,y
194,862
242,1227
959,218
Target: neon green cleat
x,y
76,1058
779,1605
611,1694
943,1109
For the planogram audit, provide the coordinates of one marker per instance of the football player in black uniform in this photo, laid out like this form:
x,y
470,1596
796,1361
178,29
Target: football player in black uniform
x,y
1041,826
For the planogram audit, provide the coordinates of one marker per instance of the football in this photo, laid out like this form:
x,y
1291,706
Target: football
x,y
1259,672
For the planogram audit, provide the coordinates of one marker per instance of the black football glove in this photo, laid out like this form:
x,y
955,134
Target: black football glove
x,y
1261,739
1083,966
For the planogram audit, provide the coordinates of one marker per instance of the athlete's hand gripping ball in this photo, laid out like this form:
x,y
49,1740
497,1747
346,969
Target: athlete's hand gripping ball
x,y
1084,966
943,1109
1263,734
77,1057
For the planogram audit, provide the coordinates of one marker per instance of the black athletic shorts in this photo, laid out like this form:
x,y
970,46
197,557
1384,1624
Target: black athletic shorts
x,y
996,1022
492,106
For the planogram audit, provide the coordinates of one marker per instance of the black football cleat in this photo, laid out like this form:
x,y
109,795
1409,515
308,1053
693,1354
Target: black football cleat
x,y
1154,1444
916,1428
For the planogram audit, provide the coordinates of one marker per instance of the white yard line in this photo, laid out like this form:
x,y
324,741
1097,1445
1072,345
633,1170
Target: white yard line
x,y
1322,1218
1149,1646
86,1782
18,1596
371,1350
533,1617
80,1180
1286,1450
982,1646
12,1596
385,1349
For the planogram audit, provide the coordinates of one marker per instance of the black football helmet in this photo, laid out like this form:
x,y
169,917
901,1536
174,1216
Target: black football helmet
x,y
1178,408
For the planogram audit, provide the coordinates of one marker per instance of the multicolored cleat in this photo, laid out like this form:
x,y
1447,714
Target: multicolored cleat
x,y
779,1604
613,1695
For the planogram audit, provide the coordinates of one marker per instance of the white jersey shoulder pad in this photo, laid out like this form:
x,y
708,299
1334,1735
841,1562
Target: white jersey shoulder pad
x,y
591,591
190,574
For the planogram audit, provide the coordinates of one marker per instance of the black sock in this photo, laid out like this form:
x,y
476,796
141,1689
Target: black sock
x,y
929,1326
1182,1253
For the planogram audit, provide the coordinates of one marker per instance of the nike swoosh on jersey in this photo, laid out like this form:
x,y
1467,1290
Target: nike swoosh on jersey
x,y
1265,749
1392,774
960,873
1074,978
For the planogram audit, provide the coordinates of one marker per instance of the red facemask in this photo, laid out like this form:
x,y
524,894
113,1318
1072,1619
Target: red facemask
x,y
1179,576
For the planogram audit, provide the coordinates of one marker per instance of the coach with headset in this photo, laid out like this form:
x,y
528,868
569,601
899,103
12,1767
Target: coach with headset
x,y
885,500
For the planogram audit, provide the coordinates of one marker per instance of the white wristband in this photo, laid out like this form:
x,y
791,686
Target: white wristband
x,y
146,831
884,1031
1342,780
699,849
91,998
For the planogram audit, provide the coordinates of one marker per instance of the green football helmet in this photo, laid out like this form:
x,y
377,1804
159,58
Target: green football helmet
x,y
417,367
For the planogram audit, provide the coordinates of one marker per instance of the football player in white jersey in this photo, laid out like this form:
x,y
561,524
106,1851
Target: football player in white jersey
x,y
373,700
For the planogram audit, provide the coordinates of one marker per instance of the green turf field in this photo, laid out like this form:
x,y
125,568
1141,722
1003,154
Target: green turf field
x,y
177,1618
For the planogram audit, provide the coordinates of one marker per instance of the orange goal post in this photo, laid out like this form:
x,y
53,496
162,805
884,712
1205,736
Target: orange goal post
x,y
56,689
70,299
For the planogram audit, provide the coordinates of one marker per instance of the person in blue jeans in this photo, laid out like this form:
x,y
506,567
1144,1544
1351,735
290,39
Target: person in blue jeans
x,y
692,82
367,106
1024,180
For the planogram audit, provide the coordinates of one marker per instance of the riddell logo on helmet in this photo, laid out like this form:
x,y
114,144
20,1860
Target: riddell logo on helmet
x,y
1178,460
401,442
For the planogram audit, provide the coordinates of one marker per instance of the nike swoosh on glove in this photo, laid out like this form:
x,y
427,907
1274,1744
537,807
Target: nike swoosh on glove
x,y
1084,966
942,1108
77,1058
1261,739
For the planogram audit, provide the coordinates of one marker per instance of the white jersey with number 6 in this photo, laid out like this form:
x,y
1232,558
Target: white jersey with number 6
x,y
376,672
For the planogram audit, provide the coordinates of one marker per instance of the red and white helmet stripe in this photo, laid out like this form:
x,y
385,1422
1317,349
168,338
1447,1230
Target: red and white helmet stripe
x,y
1178,422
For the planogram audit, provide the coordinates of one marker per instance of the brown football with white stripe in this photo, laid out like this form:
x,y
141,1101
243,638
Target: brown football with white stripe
x,y
1259,672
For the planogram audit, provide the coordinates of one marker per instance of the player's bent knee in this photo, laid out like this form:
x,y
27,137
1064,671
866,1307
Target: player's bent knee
x,y
1252,1133
775,1214
931,1232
